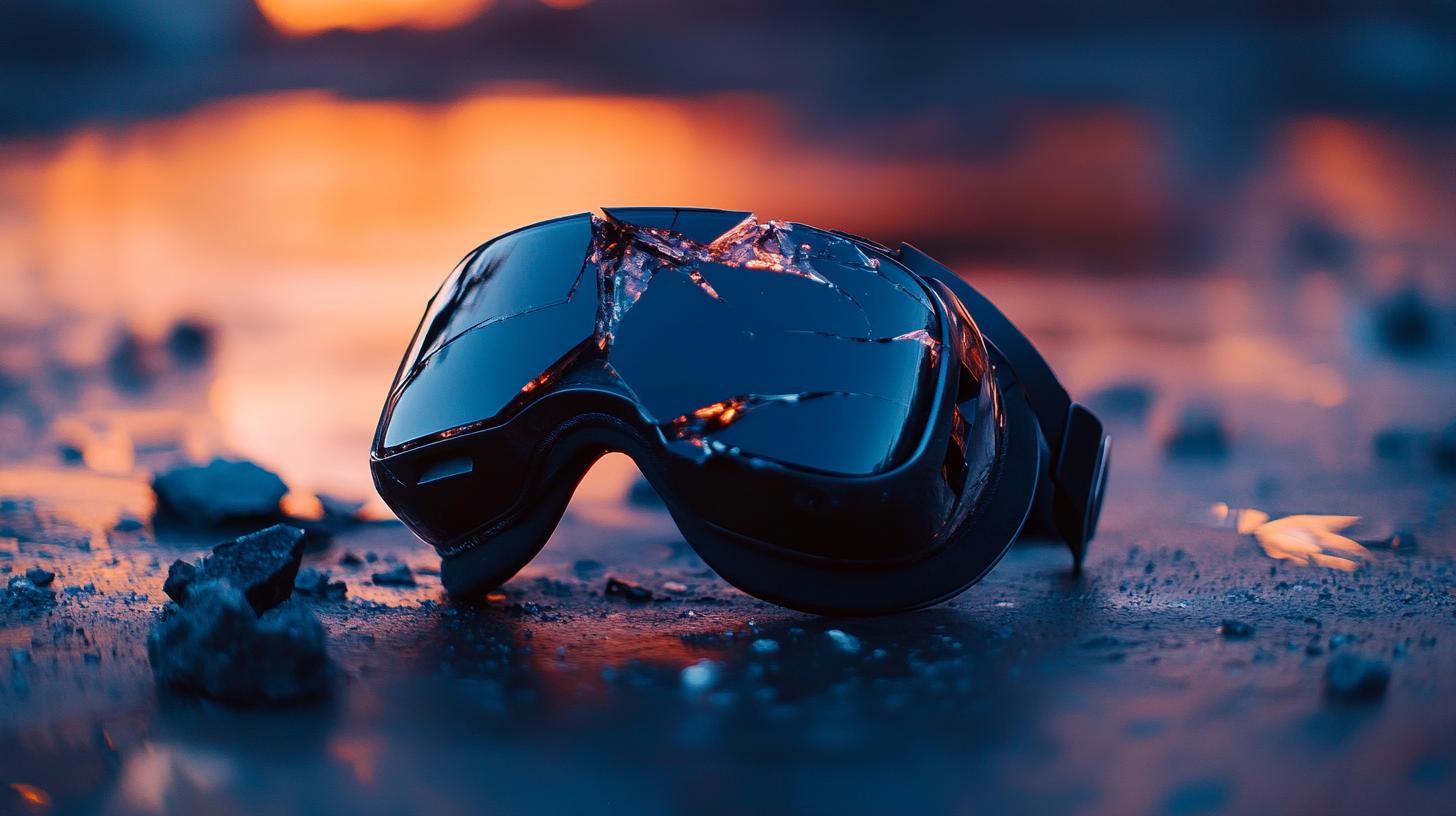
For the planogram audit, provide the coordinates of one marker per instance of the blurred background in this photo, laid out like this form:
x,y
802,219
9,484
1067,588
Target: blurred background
x,y
1250,198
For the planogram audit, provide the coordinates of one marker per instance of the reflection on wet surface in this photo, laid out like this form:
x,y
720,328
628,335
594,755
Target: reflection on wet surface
x,y
306,231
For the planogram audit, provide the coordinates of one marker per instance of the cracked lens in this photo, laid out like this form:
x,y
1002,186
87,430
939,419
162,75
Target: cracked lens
x,y
627,257
739,317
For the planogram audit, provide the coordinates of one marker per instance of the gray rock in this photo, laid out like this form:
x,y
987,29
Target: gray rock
x,y
630,590
217,646
1200,434
1235,629
316,583
40,576
1355,676
400,575
262,565
221,491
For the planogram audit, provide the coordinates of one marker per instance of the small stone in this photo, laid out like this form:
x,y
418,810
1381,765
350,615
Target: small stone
x,y
349,559
39,576
586,568
222,491
700,676
1443,450
316,583
217,646
262,565
1406,322
190,342
843,641
1235,629
675,587
765,646
629,590
1355,676
128,524
1130,399
399,575
1399,541
339,510
643,494
1397,443
1200,434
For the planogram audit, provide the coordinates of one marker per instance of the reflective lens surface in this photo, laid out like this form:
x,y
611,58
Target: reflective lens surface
x,y
771,340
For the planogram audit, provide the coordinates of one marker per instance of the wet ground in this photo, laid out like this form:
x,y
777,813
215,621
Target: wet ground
x,y
1183,672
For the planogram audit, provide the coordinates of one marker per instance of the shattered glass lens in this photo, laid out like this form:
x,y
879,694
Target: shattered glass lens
x,y
729,335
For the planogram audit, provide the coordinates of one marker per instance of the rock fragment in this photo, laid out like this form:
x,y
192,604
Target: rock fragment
x,y
628,590
843,641
316,583
1235,629
216,645
399,575
261,565
1355,676
40,576
1200,434
221,491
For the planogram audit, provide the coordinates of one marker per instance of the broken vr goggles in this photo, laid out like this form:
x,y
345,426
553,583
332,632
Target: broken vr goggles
x,y
834,425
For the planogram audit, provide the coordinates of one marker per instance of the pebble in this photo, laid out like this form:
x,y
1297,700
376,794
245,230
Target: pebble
x,y
316,583
1235,629
1200,434
700,676
262,565
399,575
629,590
1355,676
221,491
40,576
217,646
843,641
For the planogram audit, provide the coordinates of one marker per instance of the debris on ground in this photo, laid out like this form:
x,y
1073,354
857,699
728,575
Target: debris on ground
x,y
1130,399
128,524
1235,629
643,494
1355,676
338,510
40,576
675,587
22,594
1443,450
350,559
217,646
1200,433
189,342
843,641
316,583
221,491
700,676
262,565
1398,541
1406,321
399,575
629,590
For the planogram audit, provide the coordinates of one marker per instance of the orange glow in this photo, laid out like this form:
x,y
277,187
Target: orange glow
x,y
301,18
274,204
1303,539
32,795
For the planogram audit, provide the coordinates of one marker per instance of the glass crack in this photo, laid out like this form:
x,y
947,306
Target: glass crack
x,y
627,257
701,423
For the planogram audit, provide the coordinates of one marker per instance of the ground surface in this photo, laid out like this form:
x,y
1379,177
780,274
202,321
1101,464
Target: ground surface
x,y
1112,692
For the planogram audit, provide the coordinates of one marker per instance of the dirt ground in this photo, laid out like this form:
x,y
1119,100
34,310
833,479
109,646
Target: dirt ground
x,y
1183,672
